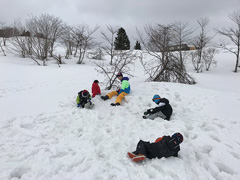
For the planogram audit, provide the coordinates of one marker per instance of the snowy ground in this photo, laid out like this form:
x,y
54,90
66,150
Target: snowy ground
x,y
44,136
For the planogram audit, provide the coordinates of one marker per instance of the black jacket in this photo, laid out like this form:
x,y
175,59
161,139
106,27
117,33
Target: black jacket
x,y
83,100
167,147
166,109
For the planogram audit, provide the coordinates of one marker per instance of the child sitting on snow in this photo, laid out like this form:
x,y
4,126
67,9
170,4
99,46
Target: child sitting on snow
x,y
163,110
165,146
95,88
125,90
84,100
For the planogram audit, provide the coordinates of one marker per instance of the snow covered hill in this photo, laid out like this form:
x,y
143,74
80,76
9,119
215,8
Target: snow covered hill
x,y
43,135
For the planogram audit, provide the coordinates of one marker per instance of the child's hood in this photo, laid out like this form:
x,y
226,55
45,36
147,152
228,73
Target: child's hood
x,y
125,78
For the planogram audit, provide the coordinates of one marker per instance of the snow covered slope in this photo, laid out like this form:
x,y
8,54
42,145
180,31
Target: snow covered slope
x,y
43,135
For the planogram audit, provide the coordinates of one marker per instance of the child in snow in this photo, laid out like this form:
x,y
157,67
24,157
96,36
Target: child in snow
x,y
84,100
125,89
163,110
165,146
95,89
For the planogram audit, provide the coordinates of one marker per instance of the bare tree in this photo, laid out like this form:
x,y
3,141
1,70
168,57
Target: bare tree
x,y
57,30
200,43
121,63
23,46
67,40
233,34
39,28
109,47
1,40
2,34
19,46
1,48
182,35
83,40
58,59
44,29
208,57
96,54
164,66
7,32
18,43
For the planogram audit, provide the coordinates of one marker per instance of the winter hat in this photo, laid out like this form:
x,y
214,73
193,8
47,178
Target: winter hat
x,y
119,74
178,137
156,98
84,93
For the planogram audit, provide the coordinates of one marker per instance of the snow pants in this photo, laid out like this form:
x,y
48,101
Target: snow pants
x,y
141,148
150,150
155,115
119,96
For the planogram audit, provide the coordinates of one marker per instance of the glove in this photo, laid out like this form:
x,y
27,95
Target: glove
x,y
78,105
145,113
149,111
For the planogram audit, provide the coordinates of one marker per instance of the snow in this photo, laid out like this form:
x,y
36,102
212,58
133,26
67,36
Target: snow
x,y
43,135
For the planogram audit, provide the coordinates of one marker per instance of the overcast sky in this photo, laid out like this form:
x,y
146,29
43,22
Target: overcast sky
x,y
128,14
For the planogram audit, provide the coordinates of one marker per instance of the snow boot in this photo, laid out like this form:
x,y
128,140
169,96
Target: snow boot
x,y
88,105
131,155
117,104
91,106
104,97
167,118
139,158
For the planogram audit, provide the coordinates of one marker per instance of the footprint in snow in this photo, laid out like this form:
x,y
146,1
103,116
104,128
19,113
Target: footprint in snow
x,y
235,155
224,168
216,138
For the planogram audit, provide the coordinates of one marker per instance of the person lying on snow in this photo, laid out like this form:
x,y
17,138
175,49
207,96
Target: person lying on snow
x,y
165,146
95,89
163,110
84,100
125,90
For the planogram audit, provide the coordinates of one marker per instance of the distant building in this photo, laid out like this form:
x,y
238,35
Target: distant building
x,y
183,47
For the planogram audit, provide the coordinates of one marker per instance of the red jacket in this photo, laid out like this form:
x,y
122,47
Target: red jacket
x,y
95,89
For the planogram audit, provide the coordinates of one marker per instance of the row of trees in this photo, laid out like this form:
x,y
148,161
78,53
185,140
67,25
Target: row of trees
x,y
38,36
167,65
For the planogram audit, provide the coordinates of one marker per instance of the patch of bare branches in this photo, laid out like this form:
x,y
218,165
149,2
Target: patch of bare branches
x,y
200,42
165,66
232,33
121,63
109,40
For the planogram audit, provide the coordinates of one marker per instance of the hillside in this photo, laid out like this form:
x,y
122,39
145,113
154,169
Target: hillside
x,y
43,135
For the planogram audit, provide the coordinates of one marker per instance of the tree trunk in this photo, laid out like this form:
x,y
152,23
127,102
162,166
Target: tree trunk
x,y
237,61
4,41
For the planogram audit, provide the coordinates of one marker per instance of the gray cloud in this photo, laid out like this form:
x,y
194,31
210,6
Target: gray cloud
x,y
128,14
